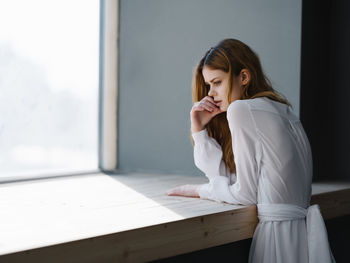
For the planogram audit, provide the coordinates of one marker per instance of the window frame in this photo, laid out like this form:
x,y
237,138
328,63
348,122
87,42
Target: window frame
x,y
108,99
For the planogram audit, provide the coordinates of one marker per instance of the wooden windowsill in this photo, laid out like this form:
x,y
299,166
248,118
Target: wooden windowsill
x,y
126,218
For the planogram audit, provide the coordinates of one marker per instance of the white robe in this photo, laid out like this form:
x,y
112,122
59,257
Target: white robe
x,y
273,166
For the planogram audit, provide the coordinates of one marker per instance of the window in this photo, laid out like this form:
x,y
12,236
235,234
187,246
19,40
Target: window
x,y
52,109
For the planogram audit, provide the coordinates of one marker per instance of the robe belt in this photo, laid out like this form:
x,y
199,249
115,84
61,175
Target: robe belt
x,y
317,238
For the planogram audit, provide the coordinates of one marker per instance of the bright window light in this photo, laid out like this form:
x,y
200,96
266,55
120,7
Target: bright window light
x,y
49,69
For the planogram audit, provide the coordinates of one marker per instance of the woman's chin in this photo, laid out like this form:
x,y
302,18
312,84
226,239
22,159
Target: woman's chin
x,y
223,108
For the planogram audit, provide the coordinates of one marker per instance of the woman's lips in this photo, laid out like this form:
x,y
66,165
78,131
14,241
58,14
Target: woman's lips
x,y
218,103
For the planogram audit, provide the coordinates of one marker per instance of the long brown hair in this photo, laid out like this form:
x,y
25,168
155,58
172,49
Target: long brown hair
x,y
231,56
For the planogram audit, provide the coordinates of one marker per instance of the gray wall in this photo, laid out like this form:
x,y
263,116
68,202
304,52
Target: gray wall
x,y
160,43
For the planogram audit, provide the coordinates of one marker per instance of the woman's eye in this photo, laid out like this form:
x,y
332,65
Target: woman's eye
x,y
217,83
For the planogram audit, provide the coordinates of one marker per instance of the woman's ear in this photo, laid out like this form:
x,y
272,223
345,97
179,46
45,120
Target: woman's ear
x,y
244,76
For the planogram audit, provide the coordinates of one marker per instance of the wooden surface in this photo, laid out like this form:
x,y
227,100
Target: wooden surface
x,y
333,204
125,218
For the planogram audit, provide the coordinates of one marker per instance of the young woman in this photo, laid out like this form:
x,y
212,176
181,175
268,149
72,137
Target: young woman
x,y
254,150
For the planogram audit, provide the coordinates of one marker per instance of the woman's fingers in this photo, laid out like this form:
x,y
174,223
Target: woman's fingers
x,y
209,106
210,100
205,105
172,191
176,191
184,190
199,107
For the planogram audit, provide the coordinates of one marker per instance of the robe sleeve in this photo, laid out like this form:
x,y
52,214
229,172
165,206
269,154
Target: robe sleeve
x,y
246,146
208,154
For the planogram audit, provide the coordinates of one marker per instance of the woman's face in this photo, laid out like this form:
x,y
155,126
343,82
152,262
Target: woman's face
x,y
218,81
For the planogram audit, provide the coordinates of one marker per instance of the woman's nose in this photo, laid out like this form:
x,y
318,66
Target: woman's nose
x,y
210,92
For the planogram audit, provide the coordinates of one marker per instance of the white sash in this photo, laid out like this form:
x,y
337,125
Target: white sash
x,y
317,239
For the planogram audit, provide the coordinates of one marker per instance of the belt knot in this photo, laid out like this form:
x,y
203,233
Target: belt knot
x,y
280,212
319,250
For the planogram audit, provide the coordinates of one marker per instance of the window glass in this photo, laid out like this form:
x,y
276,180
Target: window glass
x,y
49,67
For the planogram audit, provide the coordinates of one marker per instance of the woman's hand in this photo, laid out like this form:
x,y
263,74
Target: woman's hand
x,y
190,190
202,112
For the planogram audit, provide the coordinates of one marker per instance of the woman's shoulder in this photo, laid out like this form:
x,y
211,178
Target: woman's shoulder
x,y
240,106
239,111
236,105
261,104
